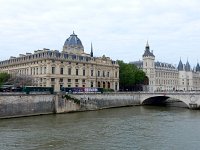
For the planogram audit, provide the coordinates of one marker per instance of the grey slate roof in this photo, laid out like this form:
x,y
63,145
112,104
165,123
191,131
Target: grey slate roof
x,y
73,41
187,66
180,66
198,67
164,65
147,51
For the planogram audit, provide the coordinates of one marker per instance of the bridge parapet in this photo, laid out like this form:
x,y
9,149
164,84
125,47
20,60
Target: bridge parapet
x,y
191,99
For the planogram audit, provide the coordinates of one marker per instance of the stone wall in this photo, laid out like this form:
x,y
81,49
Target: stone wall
x,y
26,105
63,105
18,105
101,101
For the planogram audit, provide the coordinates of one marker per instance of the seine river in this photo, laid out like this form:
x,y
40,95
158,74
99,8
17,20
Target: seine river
x,y
127,128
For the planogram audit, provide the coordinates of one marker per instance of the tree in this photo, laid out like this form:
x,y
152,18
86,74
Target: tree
x,y
129,76
21,80
4,77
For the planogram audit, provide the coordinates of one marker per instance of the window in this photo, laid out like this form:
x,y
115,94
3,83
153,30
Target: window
x,y
84,72
61,70
115,74
92,72
69,71
61,79
91,84
52,79
83,80
108,85
44,70
76,80
103,73
116,85
53,70
61,86
77,72
108,74
69,80
98,73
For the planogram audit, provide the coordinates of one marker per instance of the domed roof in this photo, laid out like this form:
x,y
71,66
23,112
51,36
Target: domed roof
x,y
73,43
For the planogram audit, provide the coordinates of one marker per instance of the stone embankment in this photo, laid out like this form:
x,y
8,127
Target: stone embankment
x,y
18,105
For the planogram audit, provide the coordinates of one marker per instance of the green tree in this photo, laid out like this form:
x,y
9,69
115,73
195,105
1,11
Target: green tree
x,y
129,75
4,77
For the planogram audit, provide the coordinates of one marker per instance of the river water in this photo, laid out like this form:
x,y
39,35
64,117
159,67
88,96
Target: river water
x,y
126,128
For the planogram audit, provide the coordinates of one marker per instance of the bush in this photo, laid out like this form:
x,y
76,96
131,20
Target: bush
x,y
68,97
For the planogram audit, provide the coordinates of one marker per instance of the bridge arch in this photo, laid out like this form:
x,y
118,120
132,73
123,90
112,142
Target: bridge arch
x,y
160,100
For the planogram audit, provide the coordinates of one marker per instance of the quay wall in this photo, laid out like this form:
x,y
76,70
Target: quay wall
x,y
107,100
25,105
18,105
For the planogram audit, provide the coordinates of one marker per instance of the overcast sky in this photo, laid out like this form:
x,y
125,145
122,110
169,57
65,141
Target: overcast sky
x,y
117,28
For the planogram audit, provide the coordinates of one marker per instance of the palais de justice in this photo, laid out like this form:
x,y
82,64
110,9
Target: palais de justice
x,y
70,68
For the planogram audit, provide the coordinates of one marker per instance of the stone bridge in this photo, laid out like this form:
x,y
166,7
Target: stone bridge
x,y
191,99
107,100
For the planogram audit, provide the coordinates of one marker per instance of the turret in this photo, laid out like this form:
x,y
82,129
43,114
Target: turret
x,y
180,66
187,66
197,68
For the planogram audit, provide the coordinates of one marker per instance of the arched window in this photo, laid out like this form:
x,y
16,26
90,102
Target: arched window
x,y
108,85
104,85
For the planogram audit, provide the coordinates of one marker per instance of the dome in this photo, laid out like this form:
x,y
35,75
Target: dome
x,y
73,44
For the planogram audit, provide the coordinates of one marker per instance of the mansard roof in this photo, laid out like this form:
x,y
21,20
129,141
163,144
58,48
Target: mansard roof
x,y
165,65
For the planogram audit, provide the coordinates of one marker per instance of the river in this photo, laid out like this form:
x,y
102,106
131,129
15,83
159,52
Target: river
x,y
126,128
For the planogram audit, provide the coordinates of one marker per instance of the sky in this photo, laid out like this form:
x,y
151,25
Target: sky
x,y
118,29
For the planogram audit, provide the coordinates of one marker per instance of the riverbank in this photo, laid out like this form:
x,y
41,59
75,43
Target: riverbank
x,y
19,105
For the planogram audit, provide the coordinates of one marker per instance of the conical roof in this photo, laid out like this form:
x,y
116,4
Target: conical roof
x,y
198,67
147,51
187,66
180,66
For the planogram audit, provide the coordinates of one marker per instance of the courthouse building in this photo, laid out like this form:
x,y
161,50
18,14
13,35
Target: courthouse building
x,y
71,67
167,77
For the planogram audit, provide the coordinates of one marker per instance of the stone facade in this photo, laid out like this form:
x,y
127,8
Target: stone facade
x,y
70,68
166,77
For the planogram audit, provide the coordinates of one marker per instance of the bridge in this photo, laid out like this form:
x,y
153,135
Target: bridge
x,y
117,99
191,99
